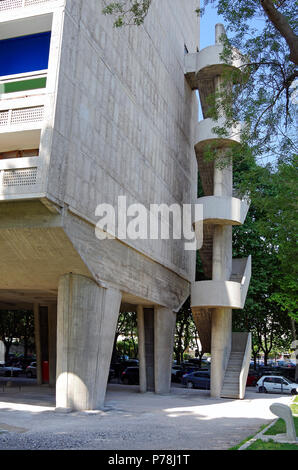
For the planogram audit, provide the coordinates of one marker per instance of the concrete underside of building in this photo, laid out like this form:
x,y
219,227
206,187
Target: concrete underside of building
x,y
112,115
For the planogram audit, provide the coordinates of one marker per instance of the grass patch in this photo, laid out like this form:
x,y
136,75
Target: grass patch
x,y
294,406
280,427
248,438
271,445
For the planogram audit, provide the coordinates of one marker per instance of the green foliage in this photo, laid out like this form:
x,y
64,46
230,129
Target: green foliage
x,y
127,329
269,235
280,427
271,445
16,325
127,12
263,97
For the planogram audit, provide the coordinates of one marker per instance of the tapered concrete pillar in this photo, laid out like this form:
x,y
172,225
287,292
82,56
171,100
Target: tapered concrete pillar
x,y
141,349
86,325
52,330
156,329
37,343
41,339
164,331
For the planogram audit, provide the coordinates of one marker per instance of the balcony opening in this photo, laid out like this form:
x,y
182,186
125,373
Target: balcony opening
x,y
24,62
25,51
21,144
19,154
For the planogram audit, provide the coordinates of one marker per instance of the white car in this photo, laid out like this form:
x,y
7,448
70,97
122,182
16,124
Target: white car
x,y
276,384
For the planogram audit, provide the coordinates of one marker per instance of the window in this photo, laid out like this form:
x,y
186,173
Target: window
x,y
24,54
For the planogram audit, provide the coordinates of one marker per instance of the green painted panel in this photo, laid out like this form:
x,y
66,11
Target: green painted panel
x,y
23,85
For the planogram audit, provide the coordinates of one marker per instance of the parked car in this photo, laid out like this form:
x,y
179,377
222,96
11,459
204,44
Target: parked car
x,y
198,379
31,370
112,375
130,376
276,384
252,378
9,371
176,373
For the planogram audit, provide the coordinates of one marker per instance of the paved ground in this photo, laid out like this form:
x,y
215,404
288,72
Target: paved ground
x,y
184,420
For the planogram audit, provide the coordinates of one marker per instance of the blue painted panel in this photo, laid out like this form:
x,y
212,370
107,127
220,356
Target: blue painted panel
x,y
24,54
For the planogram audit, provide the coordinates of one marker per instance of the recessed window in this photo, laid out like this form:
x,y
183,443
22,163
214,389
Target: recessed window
x,y
24,54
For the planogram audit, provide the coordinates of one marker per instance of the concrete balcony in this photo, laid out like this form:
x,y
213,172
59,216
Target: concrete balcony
x,y
223,210
7,5
22,121
206,64
224,294
20,178
207,136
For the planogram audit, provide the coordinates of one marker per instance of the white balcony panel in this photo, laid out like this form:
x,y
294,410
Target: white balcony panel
x,y
6,5
20,177
223,210
213,294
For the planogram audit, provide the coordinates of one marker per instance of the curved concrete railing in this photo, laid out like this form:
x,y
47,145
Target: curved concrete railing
x,y
208,63
223,210
224,294
214,294
206,134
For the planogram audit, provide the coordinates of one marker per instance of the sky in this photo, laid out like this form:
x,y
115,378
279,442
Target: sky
x,y
208,22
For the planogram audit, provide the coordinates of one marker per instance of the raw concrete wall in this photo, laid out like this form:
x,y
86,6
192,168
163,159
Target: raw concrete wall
x,y
125,116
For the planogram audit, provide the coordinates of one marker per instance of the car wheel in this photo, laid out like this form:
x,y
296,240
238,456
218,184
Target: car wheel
x,y
262,390
29,375
126,381
294,391
190,385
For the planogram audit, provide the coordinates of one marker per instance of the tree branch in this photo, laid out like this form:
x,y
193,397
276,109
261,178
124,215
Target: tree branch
x,y
280,22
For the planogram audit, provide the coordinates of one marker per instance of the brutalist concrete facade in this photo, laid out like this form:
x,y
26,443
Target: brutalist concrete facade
x,y
114,117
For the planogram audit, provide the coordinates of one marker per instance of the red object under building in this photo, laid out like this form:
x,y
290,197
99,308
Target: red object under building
x,y
45,372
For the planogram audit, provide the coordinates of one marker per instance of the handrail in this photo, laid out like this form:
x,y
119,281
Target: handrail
x,y
24,75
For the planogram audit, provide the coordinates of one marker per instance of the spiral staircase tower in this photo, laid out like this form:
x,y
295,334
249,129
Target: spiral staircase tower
x,y
214,299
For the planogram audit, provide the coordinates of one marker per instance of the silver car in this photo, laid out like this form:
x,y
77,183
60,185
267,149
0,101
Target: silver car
x,y
9,371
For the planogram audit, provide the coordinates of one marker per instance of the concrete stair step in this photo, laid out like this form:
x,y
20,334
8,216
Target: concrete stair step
x,y
229,389
230,395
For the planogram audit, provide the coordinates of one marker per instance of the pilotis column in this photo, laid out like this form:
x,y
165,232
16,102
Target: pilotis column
x,y
86,325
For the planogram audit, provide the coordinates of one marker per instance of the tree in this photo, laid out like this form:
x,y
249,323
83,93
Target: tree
x,y
16,325
263,97
127,328
186,334
265,314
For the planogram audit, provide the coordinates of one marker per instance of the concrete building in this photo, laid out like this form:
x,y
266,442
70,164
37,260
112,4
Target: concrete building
x,y
89,113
